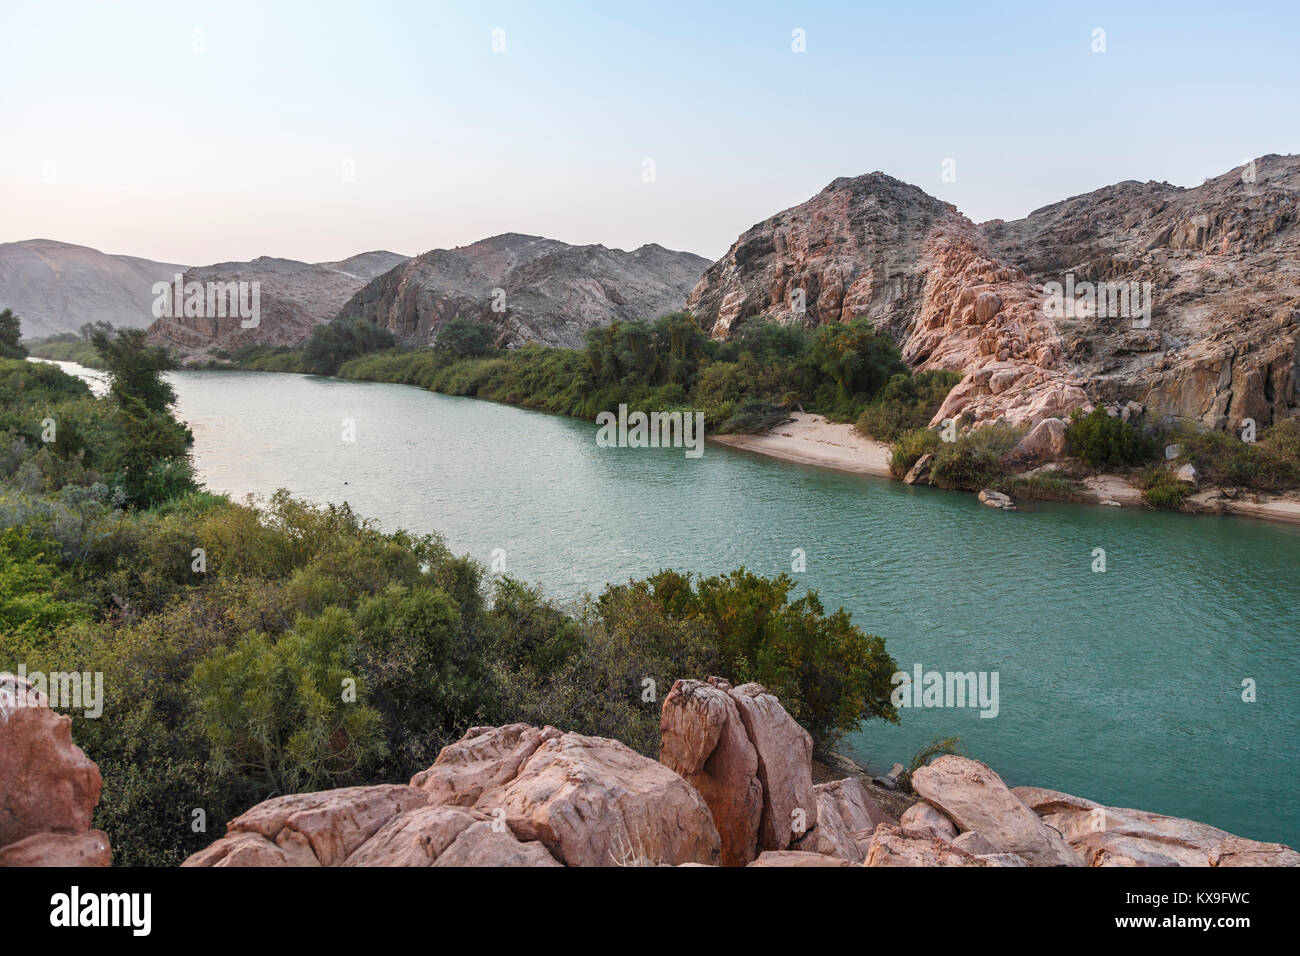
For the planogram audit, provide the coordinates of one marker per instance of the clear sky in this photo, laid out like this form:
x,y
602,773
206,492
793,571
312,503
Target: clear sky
x,y
202,132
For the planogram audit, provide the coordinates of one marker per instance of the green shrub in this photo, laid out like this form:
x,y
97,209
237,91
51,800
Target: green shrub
x,y
906,403
910,447
1102,441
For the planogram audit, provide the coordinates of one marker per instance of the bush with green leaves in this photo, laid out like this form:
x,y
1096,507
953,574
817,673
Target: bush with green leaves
x,y
905,403
1103,440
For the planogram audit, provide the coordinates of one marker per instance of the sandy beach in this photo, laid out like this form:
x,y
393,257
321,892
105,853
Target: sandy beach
x,y
812,440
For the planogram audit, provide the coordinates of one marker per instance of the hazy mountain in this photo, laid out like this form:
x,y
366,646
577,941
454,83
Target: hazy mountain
x,y
58,287
530,288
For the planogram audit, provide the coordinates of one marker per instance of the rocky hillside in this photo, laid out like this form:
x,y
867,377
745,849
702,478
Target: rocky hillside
x,y
1222,260
58,287
528,287
733,786
294,297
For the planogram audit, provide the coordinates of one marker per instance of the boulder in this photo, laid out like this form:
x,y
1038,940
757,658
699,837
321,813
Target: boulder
x,y
703,738
596,802
309,829
852,803
482,844
485,758
1236,851
58,849
1045,442
784,766
996,499
975,798
1118,836
919,473
417,837
926,819
898,846
773,858
47,785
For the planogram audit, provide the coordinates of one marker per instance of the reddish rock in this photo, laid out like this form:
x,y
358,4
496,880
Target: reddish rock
x,y
47,785
485,758
783,858
596,802
974,797
309,829
703,739
58,849
784,766
482,844
897,846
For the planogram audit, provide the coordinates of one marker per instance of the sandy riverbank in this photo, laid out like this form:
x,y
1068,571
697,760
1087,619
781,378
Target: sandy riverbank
x,y
812,440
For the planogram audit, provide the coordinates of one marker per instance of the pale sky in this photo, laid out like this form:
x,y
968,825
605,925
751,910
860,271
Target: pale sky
x,y
205,132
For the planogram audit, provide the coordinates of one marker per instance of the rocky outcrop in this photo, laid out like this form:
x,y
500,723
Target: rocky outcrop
x,y
974,797
48,788
847,816
897,846
1222,260
1115,836
784,767
501,796
519,795
528,288
293,298
59,287
703,739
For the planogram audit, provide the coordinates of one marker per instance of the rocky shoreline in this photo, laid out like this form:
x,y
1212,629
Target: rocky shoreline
x,y
733,786
809,439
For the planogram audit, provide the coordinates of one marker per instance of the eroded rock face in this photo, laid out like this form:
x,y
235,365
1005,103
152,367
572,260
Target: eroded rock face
x,y
1117,836
898,846
925,818
703,739
592,801
783,858
485,758
539,796
974,797
59,849
48,788
482,844
1222,260
784,766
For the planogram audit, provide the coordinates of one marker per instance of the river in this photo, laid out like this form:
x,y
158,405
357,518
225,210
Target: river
x,y
1123,686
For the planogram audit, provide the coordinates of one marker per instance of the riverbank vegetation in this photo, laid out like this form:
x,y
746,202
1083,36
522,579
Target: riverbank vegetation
x,y
251,649
747,384
69,346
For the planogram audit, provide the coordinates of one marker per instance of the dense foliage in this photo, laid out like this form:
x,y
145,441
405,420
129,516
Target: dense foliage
x,y
255,649
1103,440
746,384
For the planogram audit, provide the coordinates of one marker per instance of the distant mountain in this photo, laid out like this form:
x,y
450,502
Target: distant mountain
x,y
1217,264
528,287
293,298
58,287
